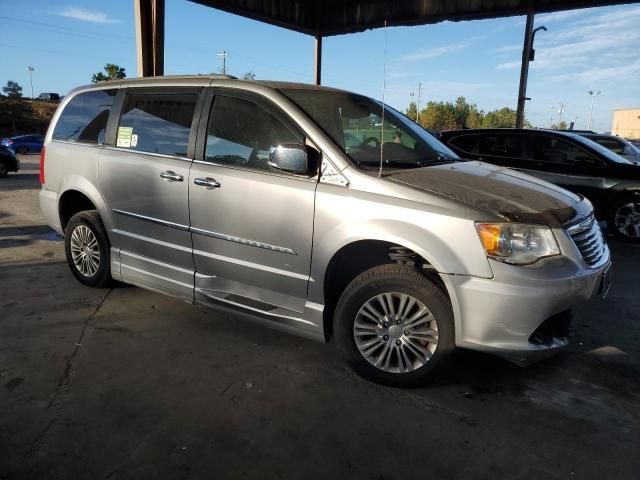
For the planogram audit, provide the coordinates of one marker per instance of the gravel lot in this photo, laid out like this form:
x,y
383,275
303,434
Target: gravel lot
x,y
125,383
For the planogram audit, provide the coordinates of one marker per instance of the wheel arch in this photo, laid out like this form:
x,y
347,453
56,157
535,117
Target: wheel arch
x,y
358,256
79,194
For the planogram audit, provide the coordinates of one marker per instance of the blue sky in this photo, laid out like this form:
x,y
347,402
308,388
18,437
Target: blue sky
x,y
589,49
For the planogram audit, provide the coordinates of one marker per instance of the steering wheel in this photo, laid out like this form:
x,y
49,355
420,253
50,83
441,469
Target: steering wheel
x,y
374,140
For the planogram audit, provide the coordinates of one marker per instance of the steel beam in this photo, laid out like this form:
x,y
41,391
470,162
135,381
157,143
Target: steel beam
x,y
149,18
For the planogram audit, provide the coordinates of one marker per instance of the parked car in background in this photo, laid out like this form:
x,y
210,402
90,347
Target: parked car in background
x,y
49,96
8,162
23,144
266,201
617,145
608,180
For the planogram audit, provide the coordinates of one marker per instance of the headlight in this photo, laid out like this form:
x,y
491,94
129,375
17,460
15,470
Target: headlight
x,y
517,243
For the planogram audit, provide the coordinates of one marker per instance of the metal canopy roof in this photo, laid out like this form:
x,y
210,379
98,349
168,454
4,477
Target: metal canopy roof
x,y
333,17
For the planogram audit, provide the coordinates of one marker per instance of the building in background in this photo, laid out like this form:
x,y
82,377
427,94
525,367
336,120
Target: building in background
x,y
626,123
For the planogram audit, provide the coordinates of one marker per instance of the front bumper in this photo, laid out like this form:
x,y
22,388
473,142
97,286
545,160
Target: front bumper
x,y
500,315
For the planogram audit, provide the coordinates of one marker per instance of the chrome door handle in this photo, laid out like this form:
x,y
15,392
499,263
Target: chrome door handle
x,y
207,182
170,176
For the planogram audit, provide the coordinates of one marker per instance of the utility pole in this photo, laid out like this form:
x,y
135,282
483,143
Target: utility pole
x,y
593,94
418,104
528,55
30,69
561,110
224,54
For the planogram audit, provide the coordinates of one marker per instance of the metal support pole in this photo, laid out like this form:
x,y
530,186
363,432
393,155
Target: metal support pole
x,y
524,71
318,58
149,18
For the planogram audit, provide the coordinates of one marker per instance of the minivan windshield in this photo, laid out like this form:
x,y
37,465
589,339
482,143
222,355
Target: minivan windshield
x,y
355,123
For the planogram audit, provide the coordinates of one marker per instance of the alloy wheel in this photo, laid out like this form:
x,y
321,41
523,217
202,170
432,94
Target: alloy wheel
x,y
85,251
395,332
627,220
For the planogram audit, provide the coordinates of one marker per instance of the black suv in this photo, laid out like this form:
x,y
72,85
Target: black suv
x,y
569,160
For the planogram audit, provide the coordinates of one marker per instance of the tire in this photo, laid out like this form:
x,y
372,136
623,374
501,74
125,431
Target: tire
x,y
356,331
84,231
3,170
22,150
624,218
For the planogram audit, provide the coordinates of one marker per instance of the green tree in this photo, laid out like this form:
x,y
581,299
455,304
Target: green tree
x,y
438,116
12,89
412,111
113,72
249,76
560,126
501,118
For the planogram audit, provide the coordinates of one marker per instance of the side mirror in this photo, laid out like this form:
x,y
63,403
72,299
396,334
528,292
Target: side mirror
x,y
289,158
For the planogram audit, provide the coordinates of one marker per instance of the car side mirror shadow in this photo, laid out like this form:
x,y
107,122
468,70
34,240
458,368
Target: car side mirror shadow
x,y
294,158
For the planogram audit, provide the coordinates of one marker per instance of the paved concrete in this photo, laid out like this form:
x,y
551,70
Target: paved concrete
x,y
125,383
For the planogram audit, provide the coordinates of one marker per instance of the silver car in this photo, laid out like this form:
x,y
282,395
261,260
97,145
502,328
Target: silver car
x,y
313,211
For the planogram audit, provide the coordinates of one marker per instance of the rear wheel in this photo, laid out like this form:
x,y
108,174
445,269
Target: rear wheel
x,y
394,325
87,249
624,219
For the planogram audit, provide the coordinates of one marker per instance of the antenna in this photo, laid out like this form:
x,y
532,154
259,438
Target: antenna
x,y
384,88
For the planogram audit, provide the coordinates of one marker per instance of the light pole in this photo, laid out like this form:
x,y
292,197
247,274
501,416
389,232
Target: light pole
x,y
593,94
528,55
30,69
224,54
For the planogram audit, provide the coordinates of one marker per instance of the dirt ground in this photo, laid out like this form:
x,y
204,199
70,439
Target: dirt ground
x,y
125,383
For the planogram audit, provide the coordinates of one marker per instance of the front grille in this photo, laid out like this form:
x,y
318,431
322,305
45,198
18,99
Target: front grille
x,y
587,236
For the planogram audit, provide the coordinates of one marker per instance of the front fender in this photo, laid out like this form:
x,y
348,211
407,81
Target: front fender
x,y
448,242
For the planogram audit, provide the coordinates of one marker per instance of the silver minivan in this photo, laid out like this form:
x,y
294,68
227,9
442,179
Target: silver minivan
x,y
318,212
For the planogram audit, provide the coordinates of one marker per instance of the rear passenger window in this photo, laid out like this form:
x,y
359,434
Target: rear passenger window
x,y
501,145
84,119
156,123
241,132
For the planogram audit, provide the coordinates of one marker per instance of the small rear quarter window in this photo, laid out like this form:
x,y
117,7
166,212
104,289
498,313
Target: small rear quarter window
x,y
84,119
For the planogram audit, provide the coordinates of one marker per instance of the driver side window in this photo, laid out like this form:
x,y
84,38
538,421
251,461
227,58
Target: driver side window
x,y
241,133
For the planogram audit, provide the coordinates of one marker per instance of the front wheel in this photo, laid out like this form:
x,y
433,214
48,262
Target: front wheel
x,y
3,170
87,249
394,325
624,219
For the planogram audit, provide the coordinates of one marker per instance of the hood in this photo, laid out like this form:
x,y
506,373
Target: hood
x,y
500,191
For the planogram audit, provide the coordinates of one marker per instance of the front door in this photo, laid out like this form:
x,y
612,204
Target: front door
x,y
560,162
251,224
144,179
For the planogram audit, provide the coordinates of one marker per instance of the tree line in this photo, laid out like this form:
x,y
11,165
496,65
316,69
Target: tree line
x,y
438,116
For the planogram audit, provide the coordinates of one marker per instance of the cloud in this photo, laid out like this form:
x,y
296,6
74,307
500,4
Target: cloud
x,y
592,43
84,15
433,52
509,49
598,75
561,15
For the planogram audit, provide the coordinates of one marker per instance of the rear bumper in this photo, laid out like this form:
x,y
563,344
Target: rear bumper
x,y
49,208
505,315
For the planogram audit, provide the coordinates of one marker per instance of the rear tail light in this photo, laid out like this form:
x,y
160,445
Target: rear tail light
x,y
42,166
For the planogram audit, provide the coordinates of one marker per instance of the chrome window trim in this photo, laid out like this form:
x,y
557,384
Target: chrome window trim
x,y
178,226
243,241
84,144
313,178
141,152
